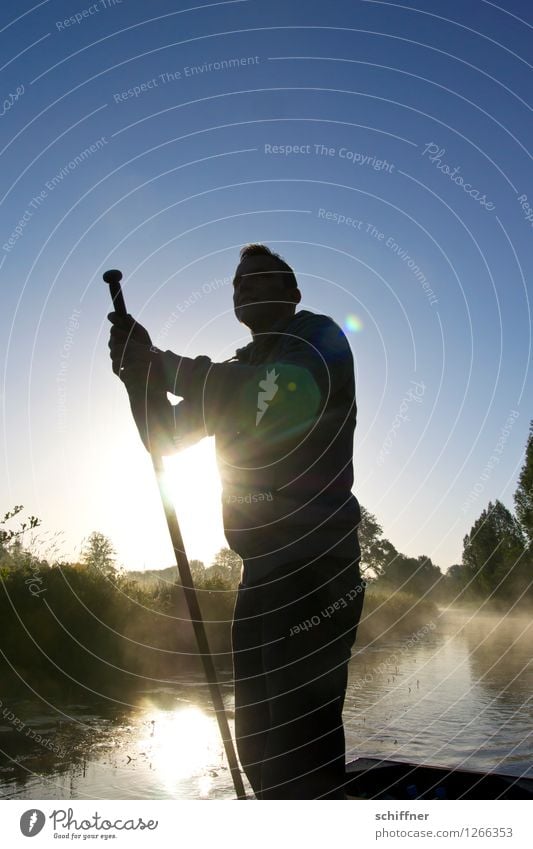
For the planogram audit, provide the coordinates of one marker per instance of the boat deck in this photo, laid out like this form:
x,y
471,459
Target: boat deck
x,y
372,778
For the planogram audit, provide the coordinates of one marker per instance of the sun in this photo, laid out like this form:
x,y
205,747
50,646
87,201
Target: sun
x,y
193,484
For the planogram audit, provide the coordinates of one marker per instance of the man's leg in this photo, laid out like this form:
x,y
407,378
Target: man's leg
x,y
252,719
308,633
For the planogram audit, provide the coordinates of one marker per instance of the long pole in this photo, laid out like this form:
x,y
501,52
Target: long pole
x,y
113,278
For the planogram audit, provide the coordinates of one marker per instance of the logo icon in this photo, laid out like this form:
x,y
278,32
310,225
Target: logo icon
x,y
32,822
269,388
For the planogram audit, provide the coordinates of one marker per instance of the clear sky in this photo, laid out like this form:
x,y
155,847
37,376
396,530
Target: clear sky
x,y
383,149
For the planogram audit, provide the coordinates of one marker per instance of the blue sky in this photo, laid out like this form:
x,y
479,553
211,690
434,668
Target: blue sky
x,y
380,148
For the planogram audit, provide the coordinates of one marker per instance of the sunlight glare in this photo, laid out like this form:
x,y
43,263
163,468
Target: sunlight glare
x,y
193,484
183,743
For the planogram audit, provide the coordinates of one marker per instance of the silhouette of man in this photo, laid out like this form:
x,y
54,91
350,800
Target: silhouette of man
x,y
283,413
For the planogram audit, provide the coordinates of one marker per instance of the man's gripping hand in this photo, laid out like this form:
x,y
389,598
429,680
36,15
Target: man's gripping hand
x,y
130,349
125,328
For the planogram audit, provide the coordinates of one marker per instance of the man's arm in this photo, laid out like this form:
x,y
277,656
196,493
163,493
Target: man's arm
x,y
316,363
293,389
165,428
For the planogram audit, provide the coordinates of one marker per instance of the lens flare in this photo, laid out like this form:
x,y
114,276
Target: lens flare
x,y
353,323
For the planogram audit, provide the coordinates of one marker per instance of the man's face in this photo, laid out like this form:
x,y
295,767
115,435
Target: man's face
x,y
260,294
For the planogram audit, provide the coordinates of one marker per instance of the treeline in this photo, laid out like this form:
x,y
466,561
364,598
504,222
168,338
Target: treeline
x,y
90,629
497,561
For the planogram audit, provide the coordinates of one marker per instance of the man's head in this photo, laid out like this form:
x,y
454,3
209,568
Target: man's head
x,y
264,288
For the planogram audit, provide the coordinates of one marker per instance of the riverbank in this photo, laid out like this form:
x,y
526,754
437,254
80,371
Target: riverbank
x,y
69,629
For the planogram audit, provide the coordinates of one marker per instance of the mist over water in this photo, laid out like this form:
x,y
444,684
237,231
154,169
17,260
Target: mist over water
x,y
460,697
456,694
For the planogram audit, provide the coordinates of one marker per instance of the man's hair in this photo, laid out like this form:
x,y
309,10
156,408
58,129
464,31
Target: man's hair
x,y
256,249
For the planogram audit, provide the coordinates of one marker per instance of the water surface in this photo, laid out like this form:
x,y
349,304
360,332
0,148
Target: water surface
x,y
457,692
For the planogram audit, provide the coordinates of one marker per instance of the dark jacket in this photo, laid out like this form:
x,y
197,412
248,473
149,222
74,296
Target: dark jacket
x,y
283,413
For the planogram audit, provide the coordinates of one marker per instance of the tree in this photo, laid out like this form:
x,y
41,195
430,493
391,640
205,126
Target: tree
x,y
16,555
493,553
13,555
416,575
198,571
376,551
6,536
456,579
523,497
99,554
226,566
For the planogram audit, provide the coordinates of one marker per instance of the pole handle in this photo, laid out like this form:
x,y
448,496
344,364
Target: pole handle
x,y
113,278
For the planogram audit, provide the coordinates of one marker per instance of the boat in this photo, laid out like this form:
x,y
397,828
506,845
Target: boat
x,y
373,778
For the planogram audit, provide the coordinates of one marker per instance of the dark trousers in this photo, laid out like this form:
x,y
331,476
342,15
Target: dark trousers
x,y
292,637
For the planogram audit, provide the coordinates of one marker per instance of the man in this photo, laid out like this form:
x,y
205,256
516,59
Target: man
x,y
283,413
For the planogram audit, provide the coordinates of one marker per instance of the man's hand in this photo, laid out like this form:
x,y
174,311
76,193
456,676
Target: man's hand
x,y
125,328
131,355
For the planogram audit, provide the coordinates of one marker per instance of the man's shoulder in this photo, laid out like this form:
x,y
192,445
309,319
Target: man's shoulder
x,y
306,318
315,331
320,330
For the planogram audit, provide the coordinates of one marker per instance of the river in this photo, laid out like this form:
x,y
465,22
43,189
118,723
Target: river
x,y
457,693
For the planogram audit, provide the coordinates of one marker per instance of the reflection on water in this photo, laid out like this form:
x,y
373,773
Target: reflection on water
x,y
182,743
459,694
166,747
